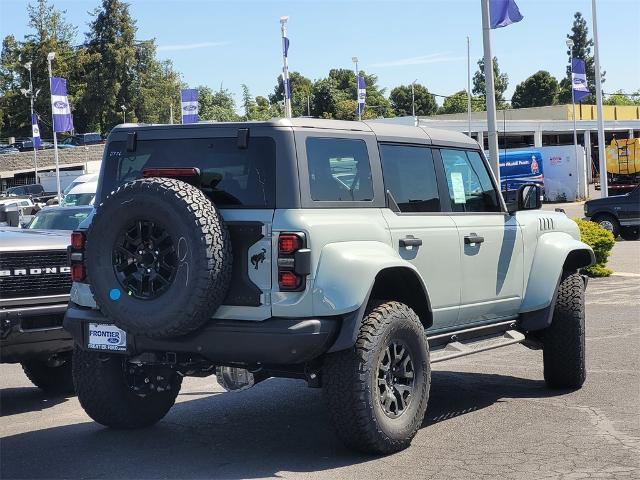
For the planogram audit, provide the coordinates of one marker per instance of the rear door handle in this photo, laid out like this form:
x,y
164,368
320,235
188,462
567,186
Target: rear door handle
x,y
473,238
410,241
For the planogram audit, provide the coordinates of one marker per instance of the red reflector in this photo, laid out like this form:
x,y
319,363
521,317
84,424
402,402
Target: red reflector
x,y
288,243
77,272
77,240
170,172
288,280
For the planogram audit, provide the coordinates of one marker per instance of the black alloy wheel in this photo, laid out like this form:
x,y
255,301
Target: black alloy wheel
x,y
395,379
145,259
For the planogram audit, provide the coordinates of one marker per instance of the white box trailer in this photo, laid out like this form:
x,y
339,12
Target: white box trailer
x,y
48,179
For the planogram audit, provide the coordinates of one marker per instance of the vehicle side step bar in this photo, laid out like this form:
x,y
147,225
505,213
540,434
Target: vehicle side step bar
x,y
474,340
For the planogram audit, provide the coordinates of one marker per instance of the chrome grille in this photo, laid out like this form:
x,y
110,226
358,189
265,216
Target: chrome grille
x,y
33,284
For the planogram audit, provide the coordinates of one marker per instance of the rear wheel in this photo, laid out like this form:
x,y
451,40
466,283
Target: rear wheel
x,y
630,233
563,342
52,375
608,222
377,391
118,394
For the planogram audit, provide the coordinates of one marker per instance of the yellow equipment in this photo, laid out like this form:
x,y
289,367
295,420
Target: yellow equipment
x,y
623,156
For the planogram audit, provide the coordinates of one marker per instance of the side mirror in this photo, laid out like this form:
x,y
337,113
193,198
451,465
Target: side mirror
x,y
529,197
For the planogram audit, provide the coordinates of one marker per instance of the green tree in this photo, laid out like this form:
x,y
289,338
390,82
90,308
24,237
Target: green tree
x,y
301,93
325,98
402,101
377,104
622,99
457,103
112,51
539,90
500,80
582,45
218,106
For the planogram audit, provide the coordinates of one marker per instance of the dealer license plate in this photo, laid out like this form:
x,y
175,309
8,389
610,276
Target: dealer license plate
x,y
106,337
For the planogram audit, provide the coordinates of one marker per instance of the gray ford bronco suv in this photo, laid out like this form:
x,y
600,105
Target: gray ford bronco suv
x,y
349,254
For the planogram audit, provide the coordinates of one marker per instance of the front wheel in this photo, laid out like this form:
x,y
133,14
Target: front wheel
x,y
630,233
609,222
563,342
377,391
51,375
118,394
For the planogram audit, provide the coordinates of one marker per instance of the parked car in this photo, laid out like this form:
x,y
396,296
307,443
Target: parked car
x,y
16,211
89,177
8,149
81,139
620,214
82,194
60,218
375,251
35,284
34,191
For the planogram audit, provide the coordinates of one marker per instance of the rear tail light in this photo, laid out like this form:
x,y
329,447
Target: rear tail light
x,y
293,261
75,253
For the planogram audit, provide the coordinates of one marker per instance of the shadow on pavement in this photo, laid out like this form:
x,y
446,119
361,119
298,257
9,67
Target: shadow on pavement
x,y
27,399
279,425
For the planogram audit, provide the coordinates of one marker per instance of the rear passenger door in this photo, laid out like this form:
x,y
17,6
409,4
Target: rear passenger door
x,y
410,178
490,240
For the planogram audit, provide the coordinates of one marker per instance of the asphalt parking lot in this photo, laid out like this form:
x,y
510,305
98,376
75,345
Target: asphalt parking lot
x,y
489,415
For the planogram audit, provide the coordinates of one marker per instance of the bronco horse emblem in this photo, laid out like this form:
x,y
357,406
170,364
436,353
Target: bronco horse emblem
x,y
258,258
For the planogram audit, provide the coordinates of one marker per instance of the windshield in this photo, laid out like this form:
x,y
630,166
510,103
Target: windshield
x,y
59,219
230,176
70,186
74,199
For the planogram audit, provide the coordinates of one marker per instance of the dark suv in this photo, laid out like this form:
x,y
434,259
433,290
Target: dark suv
x,y
82,139
620,214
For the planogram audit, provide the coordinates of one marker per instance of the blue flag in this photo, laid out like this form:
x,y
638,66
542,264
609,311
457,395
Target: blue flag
x,y
62,118
189,105
503,13
286,46
362,94
35,131
579,80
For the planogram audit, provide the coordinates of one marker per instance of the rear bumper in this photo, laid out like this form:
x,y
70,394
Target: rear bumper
x,y
34,331
275,341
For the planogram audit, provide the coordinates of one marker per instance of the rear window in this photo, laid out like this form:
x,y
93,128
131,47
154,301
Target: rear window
x,y
231,177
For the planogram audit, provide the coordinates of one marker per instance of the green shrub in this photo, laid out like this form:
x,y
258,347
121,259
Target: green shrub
x,y
601,241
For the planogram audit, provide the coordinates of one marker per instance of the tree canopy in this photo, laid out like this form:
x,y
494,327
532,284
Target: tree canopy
x,y
501,82
539,90
457,103
402,101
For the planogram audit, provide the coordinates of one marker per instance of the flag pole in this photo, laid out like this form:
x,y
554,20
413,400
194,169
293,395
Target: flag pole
x,y
355,61
604,187
469,84
33,140
492,134
285,68
50,57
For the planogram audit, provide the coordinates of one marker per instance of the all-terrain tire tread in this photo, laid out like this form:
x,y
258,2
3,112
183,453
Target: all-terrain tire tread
x,y
345,384
106,399
49,379
564,339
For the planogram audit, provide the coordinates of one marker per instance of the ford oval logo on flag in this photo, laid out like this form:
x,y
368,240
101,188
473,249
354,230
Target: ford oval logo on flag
x,y
190,108
60,104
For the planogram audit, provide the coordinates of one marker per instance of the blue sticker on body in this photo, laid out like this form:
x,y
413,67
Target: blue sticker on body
x,y
114,294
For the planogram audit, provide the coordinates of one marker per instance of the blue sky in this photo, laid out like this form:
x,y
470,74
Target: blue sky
x,y
233,42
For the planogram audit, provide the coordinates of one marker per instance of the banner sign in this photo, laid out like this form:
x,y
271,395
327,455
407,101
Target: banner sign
x,y
62,118
35,131
190,105
579,80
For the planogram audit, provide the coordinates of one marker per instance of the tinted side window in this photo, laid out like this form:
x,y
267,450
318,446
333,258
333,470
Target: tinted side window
x,y
230,176
409,174
470,187
339,169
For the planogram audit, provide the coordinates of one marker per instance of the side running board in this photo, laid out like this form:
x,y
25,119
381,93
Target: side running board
x,y
474,340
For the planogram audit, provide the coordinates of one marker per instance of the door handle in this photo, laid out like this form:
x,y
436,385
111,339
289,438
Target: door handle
x,y
472,239
410,241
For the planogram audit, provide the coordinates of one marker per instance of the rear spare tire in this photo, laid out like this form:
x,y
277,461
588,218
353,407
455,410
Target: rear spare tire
x,y
158,256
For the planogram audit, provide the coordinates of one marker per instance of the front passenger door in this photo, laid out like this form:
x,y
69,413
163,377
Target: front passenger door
x,y
489,239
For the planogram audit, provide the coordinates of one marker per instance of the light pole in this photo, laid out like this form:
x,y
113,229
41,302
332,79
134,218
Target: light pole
x,y
469,85
124,113
32,95
413,102
50,57
604,187
355,61
570,45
